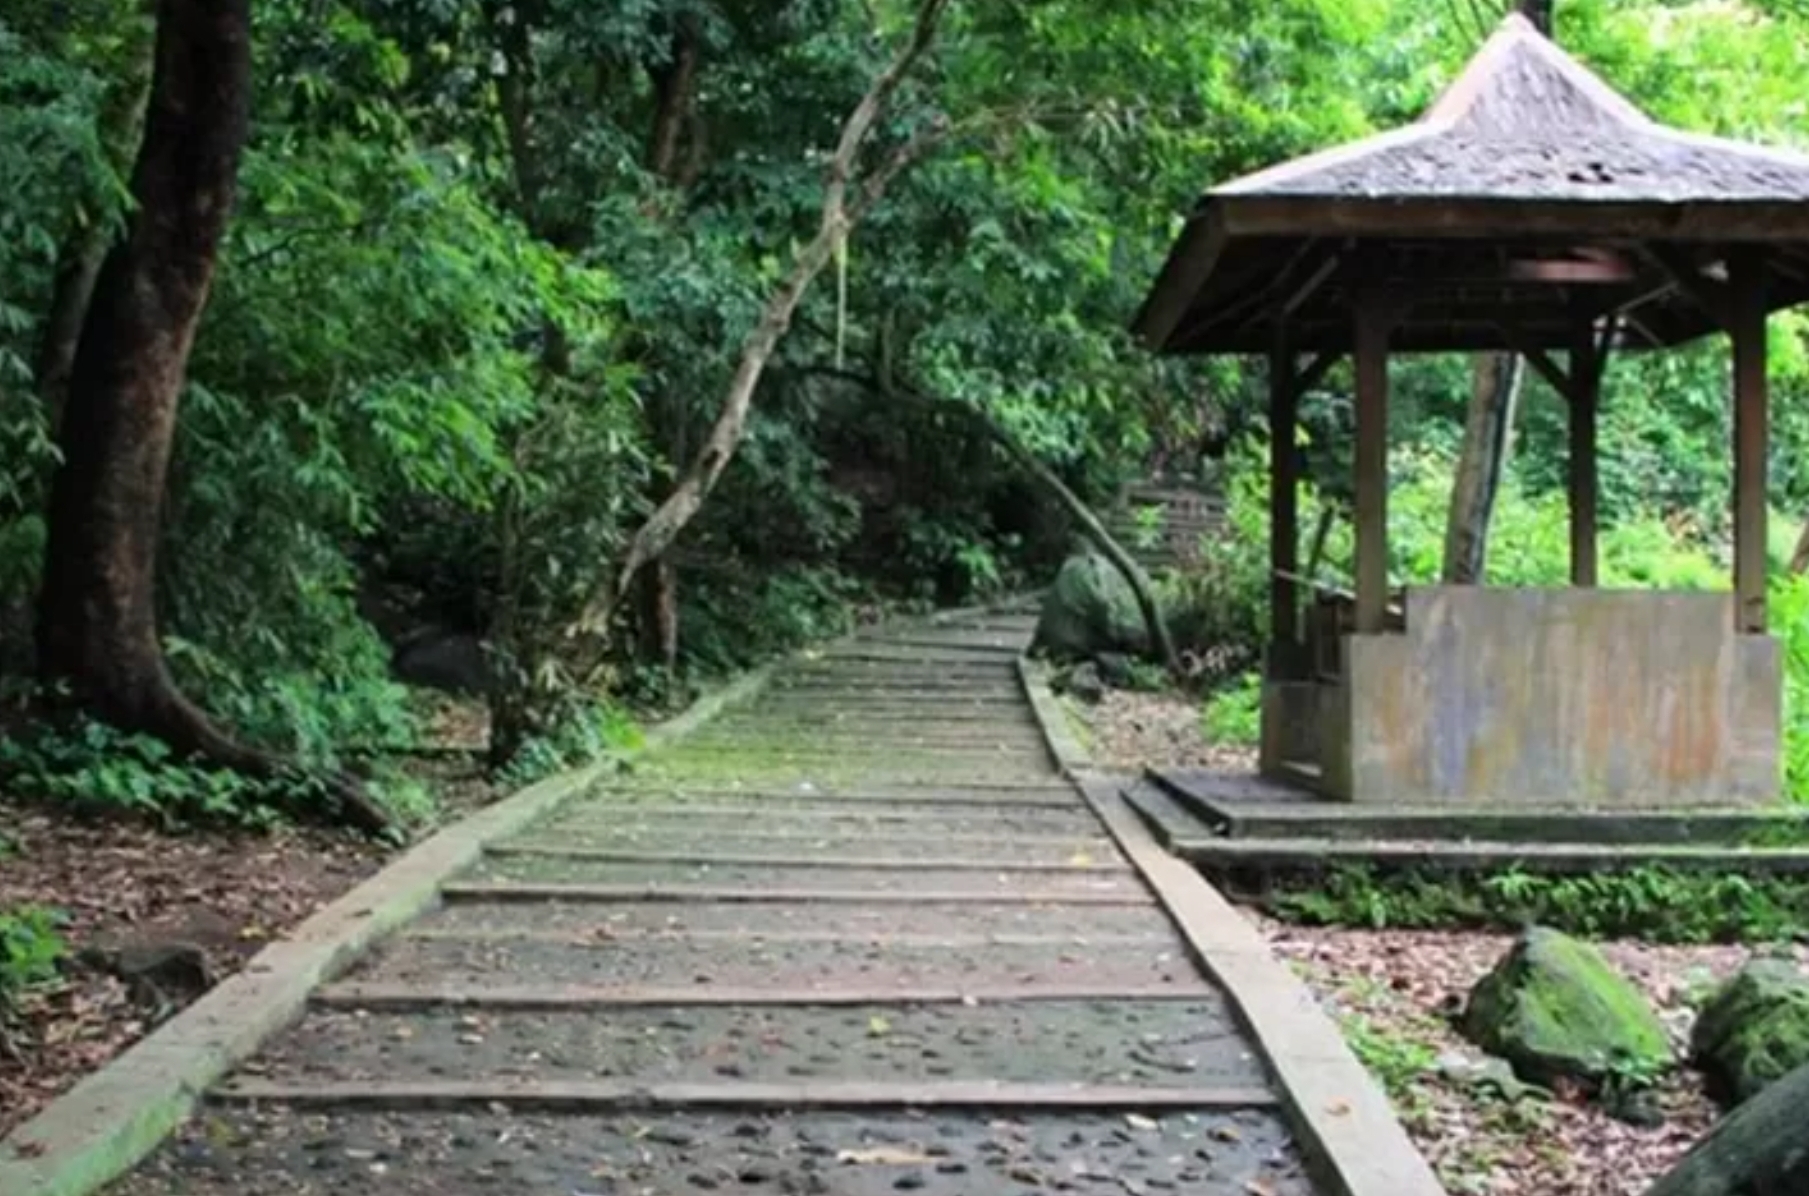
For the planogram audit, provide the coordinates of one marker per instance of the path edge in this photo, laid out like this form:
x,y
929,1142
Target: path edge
x,y
114,1117
1347,1129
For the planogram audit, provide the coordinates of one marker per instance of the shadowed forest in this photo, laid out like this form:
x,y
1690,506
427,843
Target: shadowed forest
x,y
384,385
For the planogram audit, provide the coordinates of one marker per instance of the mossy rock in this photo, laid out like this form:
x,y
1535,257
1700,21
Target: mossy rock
x,y
1091,609
1754,1030
1556,1009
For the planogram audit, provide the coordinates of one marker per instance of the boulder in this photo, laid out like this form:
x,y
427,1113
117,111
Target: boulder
x,y
1556,1009
1090,609
450,661
1754,1030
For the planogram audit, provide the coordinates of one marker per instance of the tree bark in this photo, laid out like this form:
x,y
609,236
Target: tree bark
x,y
1799,558
839,217
97,624
1759,1149
1487,432
674,89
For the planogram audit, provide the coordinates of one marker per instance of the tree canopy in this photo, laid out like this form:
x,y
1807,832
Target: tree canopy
x,y
492,268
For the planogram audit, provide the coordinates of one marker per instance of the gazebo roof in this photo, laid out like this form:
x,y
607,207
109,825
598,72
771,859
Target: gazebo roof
x,y
1530,196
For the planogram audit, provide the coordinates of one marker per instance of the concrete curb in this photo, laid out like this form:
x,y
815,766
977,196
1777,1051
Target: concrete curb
x,y
1340,1115
114,1117
1071,755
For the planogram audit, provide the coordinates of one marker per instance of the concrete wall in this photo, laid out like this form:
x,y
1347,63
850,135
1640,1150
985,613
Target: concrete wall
x,y
1589,698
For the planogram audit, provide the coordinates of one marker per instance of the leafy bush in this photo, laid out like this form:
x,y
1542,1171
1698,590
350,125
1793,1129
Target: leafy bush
x,y
31,948
584,734
90,767
1653,903
1233,715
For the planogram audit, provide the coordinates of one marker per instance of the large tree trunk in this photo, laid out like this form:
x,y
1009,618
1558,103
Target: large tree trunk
x,y
1487,433
97,623
1759,1149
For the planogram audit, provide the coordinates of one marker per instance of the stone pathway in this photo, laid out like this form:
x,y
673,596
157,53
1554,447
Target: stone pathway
x,y
858,936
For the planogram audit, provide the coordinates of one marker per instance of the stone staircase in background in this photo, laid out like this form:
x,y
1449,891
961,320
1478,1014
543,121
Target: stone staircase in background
x,y
1162,521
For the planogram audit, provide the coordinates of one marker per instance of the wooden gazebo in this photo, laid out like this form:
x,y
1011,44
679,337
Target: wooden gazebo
x,y
1531,210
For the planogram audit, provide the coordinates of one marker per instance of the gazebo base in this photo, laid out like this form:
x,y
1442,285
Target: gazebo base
x,y
1559,698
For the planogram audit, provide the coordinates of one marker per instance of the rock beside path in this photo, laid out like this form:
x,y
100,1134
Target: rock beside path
x,y
1555,1008
1091,609
1755,1030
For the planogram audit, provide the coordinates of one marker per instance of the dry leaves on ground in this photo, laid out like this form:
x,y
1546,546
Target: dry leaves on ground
x,y
1132,731
225,893
1393,987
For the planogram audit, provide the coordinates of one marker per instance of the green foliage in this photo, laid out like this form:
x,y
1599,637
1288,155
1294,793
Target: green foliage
x,y
31,948
463,338
1233,714
1653,903
91,768
582,735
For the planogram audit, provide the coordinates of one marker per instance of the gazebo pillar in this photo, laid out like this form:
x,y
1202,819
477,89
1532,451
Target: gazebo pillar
x,y
1370,482
1746,317
1284,510
1585,395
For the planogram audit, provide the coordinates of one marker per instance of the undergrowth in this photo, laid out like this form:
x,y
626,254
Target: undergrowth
x,y
1653,903
92,769
31,947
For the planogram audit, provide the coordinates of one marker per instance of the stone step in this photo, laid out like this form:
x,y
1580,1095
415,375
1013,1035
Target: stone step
x,y
1188,1041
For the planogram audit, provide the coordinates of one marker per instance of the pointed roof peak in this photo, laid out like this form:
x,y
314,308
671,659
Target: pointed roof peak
x,y
1520,75
1525,120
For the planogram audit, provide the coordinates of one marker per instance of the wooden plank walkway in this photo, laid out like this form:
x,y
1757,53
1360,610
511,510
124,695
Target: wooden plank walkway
x,y
862,936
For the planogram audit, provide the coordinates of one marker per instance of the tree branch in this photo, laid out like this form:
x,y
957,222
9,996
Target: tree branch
x,y
1090,523
663,526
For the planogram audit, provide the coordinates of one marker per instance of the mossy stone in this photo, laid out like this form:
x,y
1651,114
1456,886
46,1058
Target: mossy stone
x,y
1754,1030
1090,609
1554,1007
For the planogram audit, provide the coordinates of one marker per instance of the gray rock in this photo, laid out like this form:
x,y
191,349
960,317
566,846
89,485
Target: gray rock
x,y
450,661
1090,609
1085,683
1755,1030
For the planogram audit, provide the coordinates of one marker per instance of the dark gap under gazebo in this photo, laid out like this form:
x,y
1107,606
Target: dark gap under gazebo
x,y
1531,210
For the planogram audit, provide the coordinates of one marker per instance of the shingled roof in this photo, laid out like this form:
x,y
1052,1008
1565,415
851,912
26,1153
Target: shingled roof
x,y
1560,190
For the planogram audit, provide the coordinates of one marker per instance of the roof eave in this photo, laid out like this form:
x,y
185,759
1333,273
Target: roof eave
x,y
1462,217
1189,262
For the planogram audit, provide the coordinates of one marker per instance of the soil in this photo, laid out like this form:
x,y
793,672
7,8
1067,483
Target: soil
x,y
1129,731
1401,985
119,883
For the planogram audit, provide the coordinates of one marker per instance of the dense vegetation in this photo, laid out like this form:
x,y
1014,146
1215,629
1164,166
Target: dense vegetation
x,y
492,268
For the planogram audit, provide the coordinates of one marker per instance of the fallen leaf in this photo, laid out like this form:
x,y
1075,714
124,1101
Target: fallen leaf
x,y
878,1027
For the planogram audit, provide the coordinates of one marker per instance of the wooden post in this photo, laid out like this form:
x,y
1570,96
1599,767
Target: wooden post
x,y
1585,400
1371,463
1284,506
1746,292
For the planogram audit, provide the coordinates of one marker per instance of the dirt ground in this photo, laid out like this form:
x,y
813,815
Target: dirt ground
x,y
122,884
